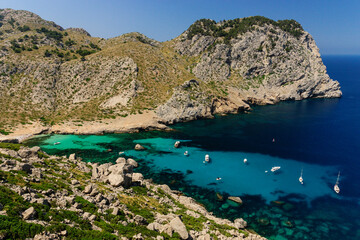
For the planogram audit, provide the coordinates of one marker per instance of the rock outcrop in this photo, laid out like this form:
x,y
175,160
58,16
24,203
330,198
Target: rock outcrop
x,y
111,202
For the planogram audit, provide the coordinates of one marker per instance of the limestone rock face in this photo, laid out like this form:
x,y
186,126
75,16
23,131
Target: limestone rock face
x,y
263,65
187,103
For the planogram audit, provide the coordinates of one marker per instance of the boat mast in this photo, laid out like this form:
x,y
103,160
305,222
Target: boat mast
x,y
337,180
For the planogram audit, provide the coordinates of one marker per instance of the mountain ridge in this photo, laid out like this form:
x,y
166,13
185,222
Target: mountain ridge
x,y
55,75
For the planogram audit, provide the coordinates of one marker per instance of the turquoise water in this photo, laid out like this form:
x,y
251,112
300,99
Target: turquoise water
x,y
320,136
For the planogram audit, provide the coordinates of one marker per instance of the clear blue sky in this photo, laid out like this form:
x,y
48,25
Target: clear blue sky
x,y
334,24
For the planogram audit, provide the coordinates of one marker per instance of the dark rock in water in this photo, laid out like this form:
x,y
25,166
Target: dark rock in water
x,y
263,221
212,184
219,197
138,147
235,199
288,206
286,224
277,203
189,171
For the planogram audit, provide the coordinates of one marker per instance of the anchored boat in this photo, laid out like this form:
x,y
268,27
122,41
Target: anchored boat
x,y
207,158
336,187
273,169
301,180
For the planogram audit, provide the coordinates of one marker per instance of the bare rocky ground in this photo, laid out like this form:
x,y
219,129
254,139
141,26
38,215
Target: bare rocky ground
x,y
52,197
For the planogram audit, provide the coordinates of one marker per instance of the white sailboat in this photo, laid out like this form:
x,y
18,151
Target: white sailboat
x,y
207,158
336,187
273,169
301,180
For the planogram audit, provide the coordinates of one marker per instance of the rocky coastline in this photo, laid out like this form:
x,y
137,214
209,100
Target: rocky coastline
x,y
60,197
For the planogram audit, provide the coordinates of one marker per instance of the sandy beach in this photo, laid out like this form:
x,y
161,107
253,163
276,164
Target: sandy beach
x,y
132,123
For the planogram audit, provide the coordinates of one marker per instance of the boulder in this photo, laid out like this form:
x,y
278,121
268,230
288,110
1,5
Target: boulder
x,y
74,182
121,160
138,147
72,157
240,223
235,199
139,220
116,180
137,177
154,226
178,226
88,189
29,213
132,162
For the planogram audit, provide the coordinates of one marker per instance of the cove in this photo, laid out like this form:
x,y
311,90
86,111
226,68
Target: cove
x,y
320,136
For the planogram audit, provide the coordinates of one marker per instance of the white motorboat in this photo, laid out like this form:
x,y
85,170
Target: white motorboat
x,y
207,158
177,144
336,187
301,180
274,169
186,153
245,160
57,143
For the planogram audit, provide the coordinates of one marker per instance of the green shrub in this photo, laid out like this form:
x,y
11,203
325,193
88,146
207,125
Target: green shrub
x,y
11,146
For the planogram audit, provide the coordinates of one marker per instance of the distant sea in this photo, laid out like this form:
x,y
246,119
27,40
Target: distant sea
x,y
319,137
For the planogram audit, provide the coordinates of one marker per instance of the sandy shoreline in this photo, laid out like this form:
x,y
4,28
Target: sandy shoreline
x,y
132,123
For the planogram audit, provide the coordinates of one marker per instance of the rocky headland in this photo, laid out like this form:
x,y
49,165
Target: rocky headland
x,y
67,81
52,197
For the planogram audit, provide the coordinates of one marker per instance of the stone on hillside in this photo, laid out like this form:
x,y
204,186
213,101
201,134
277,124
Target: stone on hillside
x,y
240,223
116,211
92,217
154,226
29,213
74,182
116,180
206,237
132,162
88,189
25,152
235,199
94,192
137,177
178,226
138,147
86,215
121,160
72,157
139,220
36,172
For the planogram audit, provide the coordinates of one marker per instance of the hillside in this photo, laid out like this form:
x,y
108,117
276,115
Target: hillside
x,y
55,76
51,197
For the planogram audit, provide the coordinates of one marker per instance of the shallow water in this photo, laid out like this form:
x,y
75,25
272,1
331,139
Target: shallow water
x,y
320,136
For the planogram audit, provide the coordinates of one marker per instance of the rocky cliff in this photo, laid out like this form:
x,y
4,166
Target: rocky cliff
x,y
55,75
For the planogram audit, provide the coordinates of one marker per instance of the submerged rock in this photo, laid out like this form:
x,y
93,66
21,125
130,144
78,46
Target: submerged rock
x,y
139,147
235,199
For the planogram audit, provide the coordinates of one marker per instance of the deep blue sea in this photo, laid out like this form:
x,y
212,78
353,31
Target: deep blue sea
x,y
319,137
